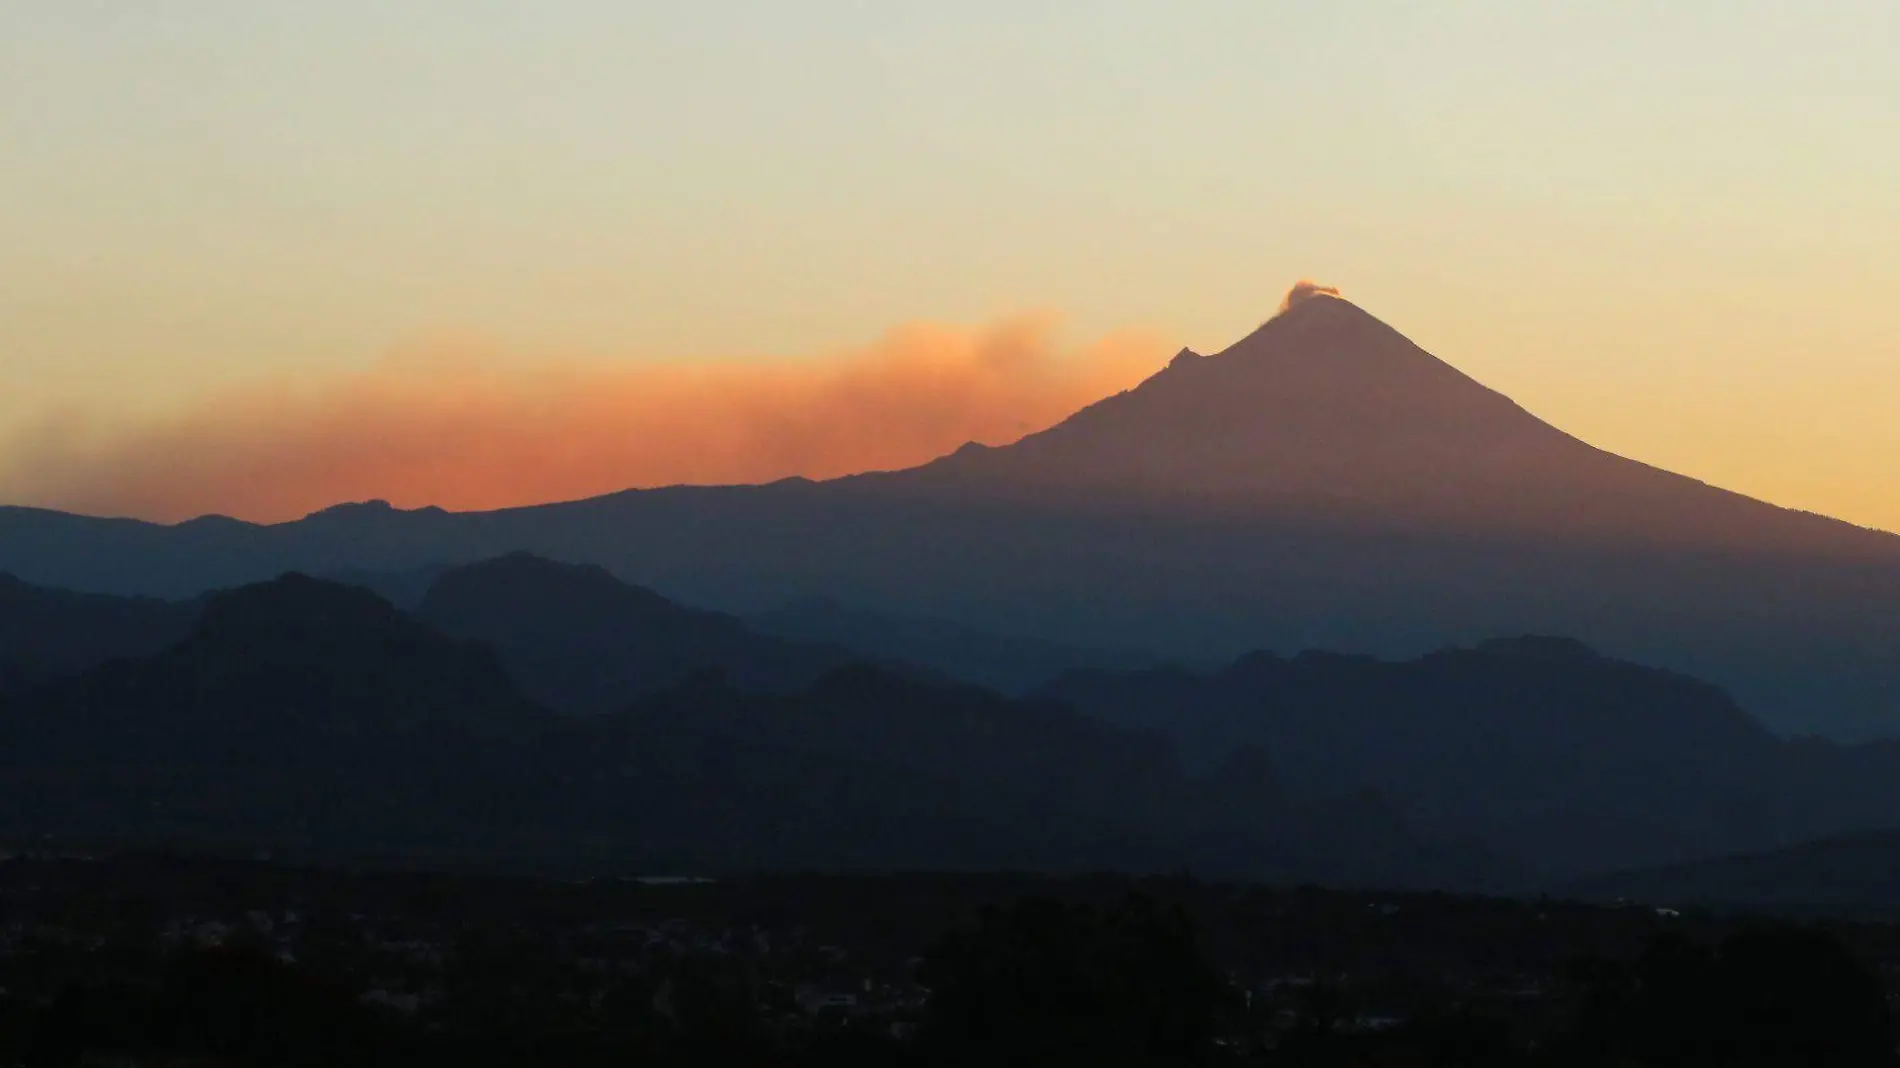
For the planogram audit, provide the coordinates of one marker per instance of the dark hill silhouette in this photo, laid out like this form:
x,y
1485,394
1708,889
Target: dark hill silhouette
x,y
1007,662
1536,746
339,659
306,715
1322,483
578,639
405,589
1041,752
45,633
292,660
294,709
1859,871
1012,784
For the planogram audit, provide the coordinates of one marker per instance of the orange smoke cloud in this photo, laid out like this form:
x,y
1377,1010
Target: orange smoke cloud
x,y
463,430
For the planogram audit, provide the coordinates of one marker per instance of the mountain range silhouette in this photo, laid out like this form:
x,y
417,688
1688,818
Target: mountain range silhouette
x,y
530,708
1322,483
319,719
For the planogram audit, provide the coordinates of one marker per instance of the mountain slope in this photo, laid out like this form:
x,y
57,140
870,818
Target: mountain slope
x,y
1000,661
283,664
1323,483
578,639
1539,747
1848,872
293,710
869,768
45,633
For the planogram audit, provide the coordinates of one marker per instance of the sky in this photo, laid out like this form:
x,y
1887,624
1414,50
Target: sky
x,y
377,247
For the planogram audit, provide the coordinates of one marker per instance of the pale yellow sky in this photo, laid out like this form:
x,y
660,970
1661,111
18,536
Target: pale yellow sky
x,y
1672,229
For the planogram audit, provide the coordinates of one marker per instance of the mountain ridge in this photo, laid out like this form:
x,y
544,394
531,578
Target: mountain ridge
x,y
308,714
307,703
580,640
1536,746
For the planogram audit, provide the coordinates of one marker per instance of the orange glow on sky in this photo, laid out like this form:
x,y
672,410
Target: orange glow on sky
x,y
463,429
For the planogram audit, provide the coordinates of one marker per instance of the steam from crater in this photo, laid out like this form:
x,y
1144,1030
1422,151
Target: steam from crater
x,y
1303,291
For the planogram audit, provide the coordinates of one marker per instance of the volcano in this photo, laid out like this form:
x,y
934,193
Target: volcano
x,y
1323,401
1325,412
1323,482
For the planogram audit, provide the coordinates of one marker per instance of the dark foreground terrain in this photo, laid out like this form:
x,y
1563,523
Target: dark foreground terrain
x,y
161,960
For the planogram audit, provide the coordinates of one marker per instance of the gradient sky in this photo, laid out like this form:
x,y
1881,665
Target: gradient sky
x,y
1672,228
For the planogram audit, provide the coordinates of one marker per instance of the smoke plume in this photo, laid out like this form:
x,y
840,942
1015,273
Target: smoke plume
x,y
466,430
1303,291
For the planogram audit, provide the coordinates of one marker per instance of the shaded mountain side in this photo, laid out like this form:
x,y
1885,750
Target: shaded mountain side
x,y
46,633
292,660
1013,785
1042,755
578,639
294,710
1536,746
1007,662
405,588
303,714
1323,483
1860,871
